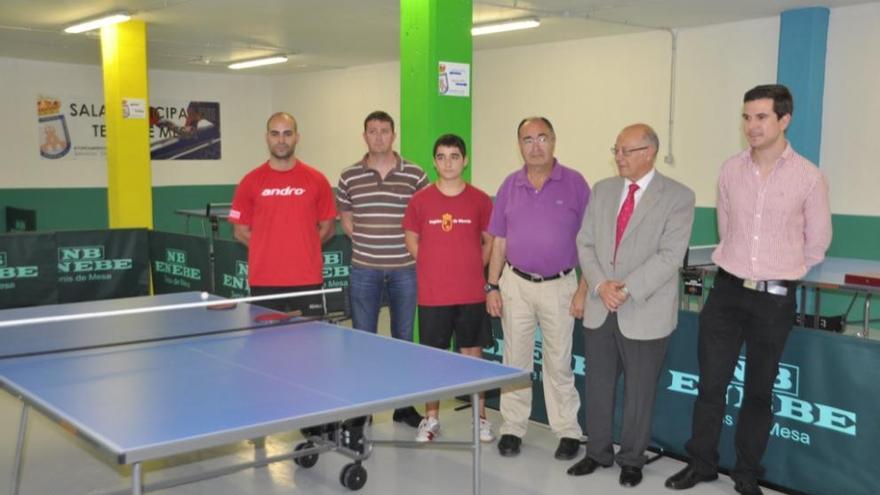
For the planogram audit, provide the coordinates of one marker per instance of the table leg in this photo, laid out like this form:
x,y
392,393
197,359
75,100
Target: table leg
x,y
475,409
803,306
19,450
866,326
136,479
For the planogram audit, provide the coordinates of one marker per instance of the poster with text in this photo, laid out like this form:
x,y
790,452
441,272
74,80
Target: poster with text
x,y
71,127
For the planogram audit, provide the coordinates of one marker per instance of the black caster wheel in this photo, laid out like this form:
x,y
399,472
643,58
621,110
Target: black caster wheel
x,y
353,476
305,461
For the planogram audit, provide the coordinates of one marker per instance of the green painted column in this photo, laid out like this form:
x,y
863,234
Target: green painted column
x,y
433,32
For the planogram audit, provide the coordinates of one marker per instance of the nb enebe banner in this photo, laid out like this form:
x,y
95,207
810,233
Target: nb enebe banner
x,y
825,406
60,267
825,409
179,262
102,264
230,269
27,270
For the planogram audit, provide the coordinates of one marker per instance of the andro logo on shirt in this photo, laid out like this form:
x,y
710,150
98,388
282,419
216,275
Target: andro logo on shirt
x,y
287,191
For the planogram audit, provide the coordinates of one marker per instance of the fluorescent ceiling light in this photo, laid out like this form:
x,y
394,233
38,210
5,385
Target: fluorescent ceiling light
x,y
504,26
98,23
278,59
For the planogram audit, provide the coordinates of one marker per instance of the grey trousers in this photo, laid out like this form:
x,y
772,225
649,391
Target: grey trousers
x,y
608,354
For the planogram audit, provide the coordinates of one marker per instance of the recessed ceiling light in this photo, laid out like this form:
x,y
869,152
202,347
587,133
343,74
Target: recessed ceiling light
x,y
504,26
247,64
107,20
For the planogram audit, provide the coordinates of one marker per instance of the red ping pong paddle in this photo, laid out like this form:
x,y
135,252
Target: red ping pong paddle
x,y
276,317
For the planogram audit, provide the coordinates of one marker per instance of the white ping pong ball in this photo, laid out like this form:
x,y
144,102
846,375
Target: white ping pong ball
x,y
204,296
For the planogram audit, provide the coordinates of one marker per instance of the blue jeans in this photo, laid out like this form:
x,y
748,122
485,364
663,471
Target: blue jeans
x,y
367,286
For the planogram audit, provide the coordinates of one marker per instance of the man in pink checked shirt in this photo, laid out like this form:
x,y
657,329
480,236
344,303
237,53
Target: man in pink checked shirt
x,y
774,223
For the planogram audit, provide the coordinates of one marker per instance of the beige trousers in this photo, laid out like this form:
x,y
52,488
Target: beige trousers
x,y
525,306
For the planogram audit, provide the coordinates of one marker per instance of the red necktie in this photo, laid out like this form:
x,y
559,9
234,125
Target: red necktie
x,y
626,212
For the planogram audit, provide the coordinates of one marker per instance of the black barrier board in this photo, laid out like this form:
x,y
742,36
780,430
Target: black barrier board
x,y
179,262
27,270
337,272
824,406
230,269
102,264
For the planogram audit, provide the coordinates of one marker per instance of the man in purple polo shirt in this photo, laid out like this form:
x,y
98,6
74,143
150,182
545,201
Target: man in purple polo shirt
x,y
532,282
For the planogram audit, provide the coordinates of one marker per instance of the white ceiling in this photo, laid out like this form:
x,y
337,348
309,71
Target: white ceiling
x,y
205,35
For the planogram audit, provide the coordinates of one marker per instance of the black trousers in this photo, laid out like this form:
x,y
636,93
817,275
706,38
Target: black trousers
x,y
734,315
308,305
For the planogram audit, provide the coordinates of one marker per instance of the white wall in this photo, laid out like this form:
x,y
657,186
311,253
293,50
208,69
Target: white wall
x,y
330,107
716,65
850,154
245,102
589,88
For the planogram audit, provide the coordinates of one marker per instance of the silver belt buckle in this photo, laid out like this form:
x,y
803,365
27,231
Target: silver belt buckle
x,y
750,284
777,289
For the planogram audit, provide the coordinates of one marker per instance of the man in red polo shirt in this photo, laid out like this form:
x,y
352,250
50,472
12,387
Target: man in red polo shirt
x,y
283,211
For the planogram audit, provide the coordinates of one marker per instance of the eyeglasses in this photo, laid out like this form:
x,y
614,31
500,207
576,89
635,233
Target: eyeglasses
x,y
543,139
626,152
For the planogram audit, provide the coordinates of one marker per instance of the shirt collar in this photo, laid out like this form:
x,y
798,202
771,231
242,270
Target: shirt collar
x,y
643,182
399,167
786,155
522,178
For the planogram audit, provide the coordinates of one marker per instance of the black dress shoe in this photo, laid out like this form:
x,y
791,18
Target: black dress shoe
x,y
568,448
747,487
408,416
630,476
508,445
584,467
687,478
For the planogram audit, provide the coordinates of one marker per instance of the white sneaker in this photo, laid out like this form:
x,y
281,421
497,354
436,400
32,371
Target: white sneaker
x,y
429,429
486,431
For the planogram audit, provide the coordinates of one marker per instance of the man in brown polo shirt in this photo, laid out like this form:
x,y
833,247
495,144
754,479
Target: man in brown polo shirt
x,y
371,198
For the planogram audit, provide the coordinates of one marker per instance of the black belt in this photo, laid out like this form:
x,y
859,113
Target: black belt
x,y
537,278
777,287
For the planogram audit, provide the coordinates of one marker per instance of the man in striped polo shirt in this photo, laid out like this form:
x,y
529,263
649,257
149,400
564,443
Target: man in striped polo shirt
x,y
371,197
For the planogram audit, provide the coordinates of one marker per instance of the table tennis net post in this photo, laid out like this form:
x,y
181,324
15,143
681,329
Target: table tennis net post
x,y
149,324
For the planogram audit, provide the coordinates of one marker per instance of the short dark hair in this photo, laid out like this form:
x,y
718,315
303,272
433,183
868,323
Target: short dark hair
x,y
381,117
451,140
545,120
783,103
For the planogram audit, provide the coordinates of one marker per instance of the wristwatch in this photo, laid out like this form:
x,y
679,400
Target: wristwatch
x,y
490,287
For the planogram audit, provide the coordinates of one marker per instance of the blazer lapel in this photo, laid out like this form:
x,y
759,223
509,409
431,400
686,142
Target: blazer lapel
x,y
611,210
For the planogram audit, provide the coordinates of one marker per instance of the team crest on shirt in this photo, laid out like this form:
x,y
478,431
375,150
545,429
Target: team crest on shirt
x,y
446,222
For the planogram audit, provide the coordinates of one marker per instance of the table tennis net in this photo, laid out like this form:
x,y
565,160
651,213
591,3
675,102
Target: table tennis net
x,y
157,324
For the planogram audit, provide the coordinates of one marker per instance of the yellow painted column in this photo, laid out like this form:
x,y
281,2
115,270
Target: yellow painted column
x,y
129,178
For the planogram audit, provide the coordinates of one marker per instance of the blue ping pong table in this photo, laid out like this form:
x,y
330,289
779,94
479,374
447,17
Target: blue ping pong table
x,y
147,386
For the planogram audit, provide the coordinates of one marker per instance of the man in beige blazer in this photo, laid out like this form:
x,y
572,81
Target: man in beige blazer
x,y
631,246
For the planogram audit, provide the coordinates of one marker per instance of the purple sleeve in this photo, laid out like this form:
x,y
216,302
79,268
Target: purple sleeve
x,y
498,223
586,201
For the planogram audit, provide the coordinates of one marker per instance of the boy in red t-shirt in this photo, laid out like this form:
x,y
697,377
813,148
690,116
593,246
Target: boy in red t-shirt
x,y
445,231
